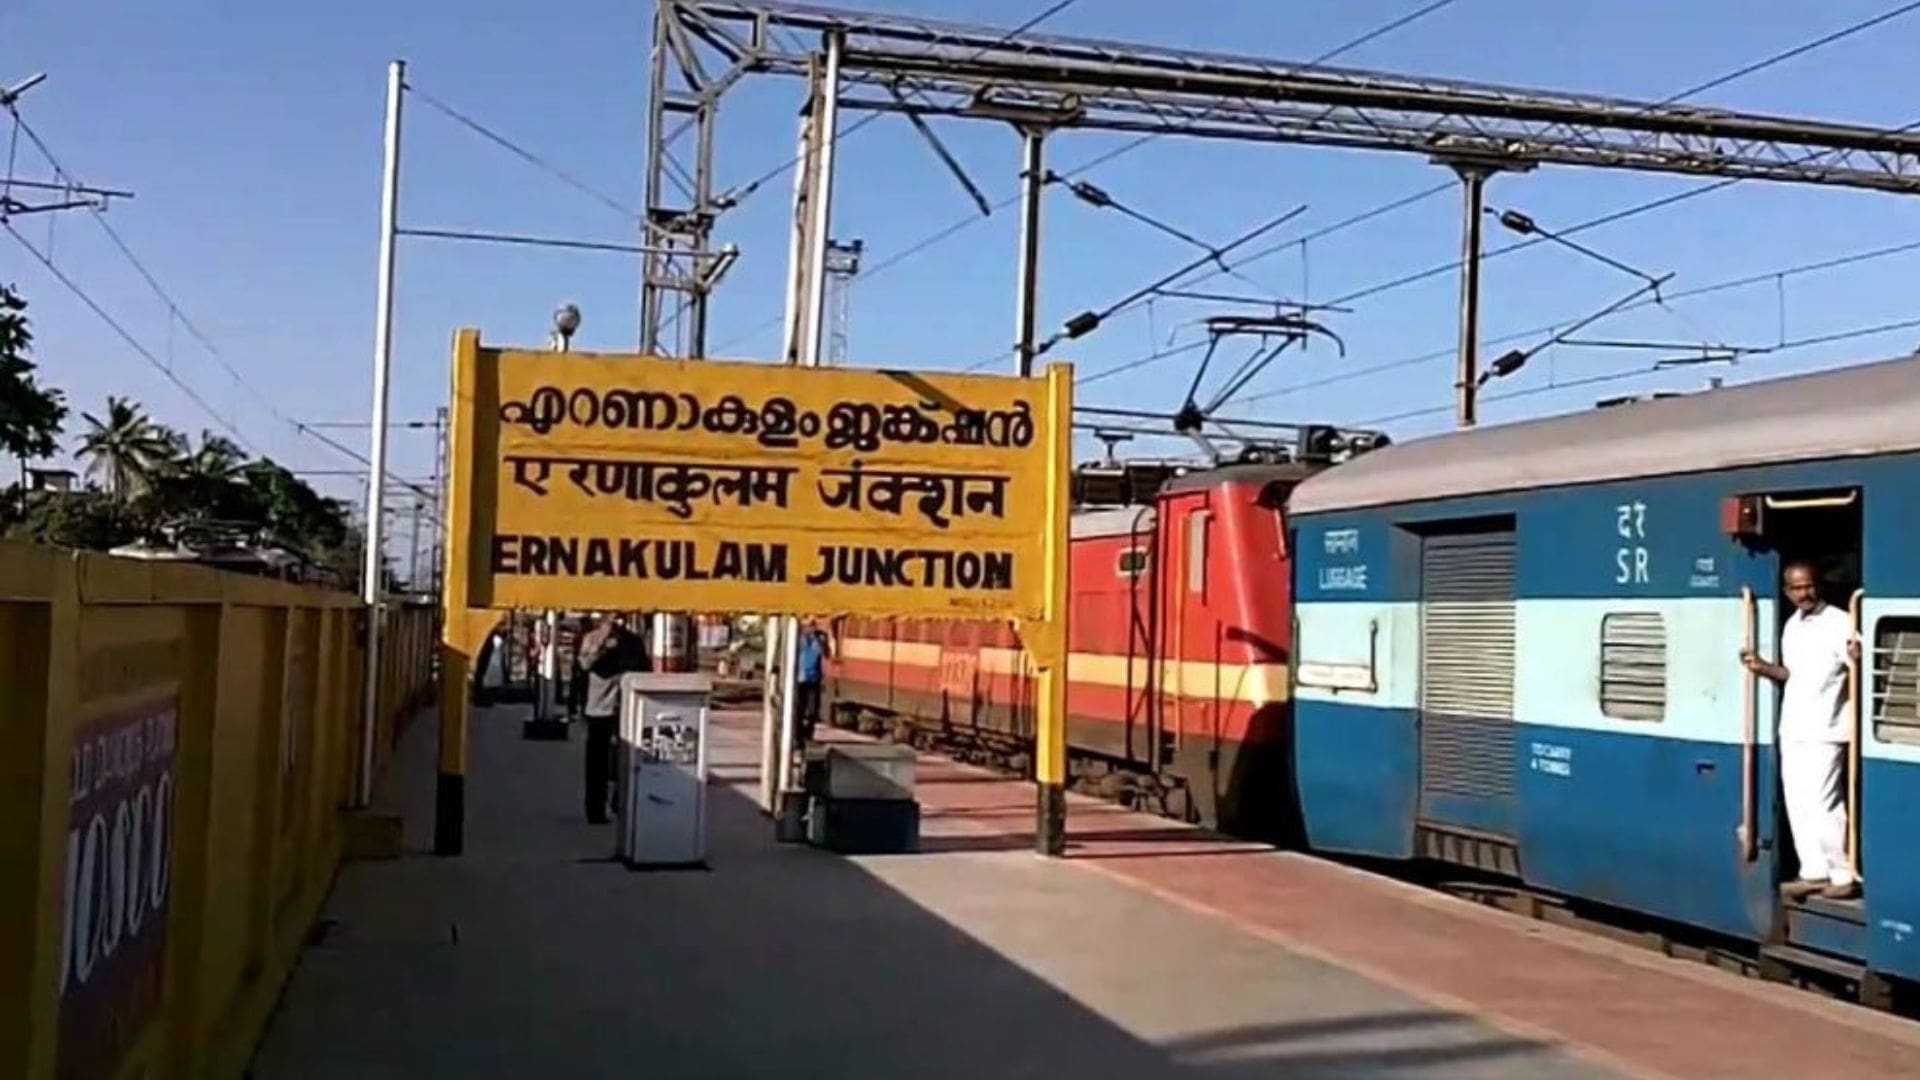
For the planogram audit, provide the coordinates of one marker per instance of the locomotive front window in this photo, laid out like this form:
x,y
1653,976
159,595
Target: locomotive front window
x,y
1274,497
1197,552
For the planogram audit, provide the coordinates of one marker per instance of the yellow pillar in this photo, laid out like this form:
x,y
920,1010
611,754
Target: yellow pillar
x,y
1046,640
38,662
461,629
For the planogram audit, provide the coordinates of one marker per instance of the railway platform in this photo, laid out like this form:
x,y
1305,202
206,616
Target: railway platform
x,y
1152,950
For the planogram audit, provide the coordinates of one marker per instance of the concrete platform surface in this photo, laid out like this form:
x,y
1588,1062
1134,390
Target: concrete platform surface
x,y
1602,1001
535,955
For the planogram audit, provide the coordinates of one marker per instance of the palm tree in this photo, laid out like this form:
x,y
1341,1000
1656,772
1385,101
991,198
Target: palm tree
x,y
199,491
218,459
127,448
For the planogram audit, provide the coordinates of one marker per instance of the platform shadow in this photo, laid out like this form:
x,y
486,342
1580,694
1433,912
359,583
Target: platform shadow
x,y
1297,1049
1102,844
784,961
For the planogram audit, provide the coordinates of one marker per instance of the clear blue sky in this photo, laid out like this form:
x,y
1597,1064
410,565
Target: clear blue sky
x,y
251,135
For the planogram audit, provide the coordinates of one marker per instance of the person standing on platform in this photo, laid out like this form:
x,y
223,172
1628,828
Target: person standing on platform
x,y
608,651
809,675
1816,647
576,674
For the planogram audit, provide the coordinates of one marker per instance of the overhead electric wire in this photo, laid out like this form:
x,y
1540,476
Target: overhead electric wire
x,y
173,308
173,377
1622,376
1343,224
1379,31
174,311
1214,255
357,456
523,153
1152,357
1625,213
916,248
1664,201
1326,230
132,342
1758,278
1796,51
1087,321
1097,197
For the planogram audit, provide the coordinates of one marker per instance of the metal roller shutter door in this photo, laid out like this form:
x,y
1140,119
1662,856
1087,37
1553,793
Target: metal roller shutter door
x,y
1466,666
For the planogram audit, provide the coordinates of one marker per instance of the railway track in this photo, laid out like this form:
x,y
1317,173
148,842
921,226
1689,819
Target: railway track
x,y
1103,778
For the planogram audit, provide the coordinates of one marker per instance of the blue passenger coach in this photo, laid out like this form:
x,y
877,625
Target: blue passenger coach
x,y
1518,648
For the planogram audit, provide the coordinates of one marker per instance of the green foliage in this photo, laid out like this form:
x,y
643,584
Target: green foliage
x,y
128,449
212,494
205,497
84,519
31,416
159,486
293,515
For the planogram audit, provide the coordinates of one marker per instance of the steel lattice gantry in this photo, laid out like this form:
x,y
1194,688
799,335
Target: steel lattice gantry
x,y
901,64
1040,83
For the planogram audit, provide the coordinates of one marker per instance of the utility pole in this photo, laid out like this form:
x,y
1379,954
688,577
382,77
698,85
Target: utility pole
x,y
807,316
1473,183
1473,173
775,629
1027,288
372,591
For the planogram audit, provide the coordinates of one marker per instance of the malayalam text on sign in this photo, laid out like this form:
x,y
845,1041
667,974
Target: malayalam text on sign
x,y
700,485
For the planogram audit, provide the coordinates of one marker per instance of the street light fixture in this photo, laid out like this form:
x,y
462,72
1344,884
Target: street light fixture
x,y
566,321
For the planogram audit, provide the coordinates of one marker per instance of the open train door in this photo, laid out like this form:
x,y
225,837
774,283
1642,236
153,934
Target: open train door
x,y
1823,527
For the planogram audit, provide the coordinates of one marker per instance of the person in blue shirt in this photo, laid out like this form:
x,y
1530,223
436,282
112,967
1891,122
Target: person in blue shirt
x,y
809,674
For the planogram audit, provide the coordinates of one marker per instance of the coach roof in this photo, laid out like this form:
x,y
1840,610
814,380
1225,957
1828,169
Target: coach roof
x,y
1866,409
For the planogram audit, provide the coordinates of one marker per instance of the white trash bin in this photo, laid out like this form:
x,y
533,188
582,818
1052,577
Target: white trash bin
x,y
662,761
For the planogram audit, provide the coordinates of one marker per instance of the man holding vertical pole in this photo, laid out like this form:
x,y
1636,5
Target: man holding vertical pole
x,y
1817,646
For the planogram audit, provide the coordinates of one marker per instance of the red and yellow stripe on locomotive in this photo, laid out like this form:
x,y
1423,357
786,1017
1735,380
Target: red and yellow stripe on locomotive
x,y
1179,635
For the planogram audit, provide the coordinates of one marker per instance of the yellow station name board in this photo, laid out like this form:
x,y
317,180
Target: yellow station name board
x,y
590,480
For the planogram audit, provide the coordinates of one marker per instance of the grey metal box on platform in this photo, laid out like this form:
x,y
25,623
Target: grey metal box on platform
x,y
861,771
662,762
863,826
860,799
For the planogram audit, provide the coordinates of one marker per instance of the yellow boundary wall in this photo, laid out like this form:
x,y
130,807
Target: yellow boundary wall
x,y
176,748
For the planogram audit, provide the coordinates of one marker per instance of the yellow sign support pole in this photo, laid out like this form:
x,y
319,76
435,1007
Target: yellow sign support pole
x,y
1046,640
462,629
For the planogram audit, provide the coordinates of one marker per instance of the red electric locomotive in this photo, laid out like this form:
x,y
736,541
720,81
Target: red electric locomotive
x,y
1180,636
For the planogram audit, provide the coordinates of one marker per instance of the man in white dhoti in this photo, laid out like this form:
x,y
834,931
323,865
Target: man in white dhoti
x,y
1816,647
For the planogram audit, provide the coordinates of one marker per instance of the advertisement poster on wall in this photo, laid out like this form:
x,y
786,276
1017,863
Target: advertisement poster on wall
x,y
119,863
